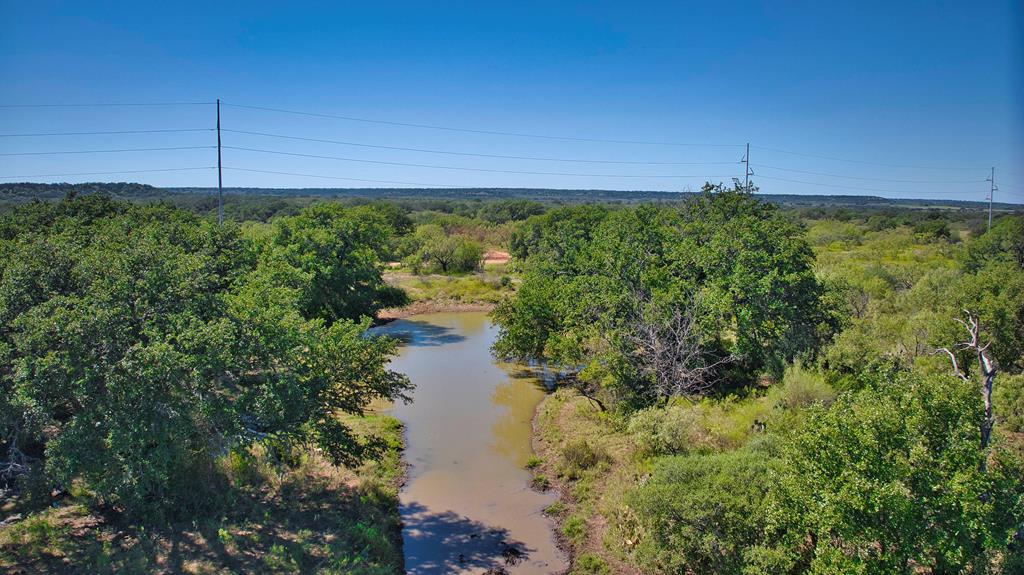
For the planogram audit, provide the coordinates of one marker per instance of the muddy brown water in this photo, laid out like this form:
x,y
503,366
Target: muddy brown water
x,y
467,506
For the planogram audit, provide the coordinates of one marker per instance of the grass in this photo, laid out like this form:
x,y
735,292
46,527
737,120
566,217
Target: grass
x,y
595,459
313,518
487,287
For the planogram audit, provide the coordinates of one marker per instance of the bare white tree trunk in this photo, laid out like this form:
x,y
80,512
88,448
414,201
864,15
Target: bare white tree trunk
x,y
988,375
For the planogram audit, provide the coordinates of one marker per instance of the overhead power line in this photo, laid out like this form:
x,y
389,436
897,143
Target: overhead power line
x,y
870,163
473,154
105,173
872,189
341,178
475,131
463,168
106,151
869,179
107,105
39,134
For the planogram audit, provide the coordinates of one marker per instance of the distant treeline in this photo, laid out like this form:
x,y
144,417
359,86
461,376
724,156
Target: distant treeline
x,y
20,192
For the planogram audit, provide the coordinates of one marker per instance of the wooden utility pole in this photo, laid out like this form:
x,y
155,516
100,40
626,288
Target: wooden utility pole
x,y
747,172
991,194
220,177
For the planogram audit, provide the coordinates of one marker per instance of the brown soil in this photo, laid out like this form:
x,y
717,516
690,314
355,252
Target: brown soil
x,y
428,306
496,257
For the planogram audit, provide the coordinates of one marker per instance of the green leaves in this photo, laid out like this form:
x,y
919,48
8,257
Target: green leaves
x,y
139,343
891,475
722,280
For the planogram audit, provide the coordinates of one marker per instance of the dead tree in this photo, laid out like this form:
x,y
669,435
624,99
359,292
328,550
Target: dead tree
x,y
988,374
667,349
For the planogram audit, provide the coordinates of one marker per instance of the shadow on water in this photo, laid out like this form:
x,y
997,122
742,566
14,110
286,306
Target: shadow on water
x,y
446,542
416,333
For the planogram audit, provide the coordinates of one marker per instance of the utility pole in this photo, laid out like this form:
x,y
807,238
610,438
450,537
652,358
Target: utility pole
x,y
991,193
747,172
220,177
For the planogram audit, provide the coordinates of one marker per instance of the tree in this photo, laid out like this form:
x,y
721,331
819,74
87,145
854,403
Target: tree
x,y
889,480
336,251
652,302
139,343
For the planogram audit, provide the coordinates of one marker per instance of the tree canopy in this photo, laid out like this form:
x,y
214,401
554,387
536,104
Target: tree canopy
x,y
138,343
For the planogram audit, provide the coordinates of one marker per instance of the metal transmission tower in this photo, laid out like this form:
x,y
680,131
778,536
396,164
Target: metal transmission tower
x,y
220,178
991,194
747,172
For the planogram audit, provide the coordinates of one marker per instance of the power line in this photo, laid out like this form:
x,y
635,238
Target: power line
x,y
869,179
475,131
341,178
106,173
834,158
106,105
462,168
871,189
474,154
105,151
39,134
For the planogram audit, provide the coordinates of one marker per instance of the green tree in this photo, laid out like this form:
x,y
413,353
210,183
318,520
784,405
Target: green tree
x,y
139,343
889,478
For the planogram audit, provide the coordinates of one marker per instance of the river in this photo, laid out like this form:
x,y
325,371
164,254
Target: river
x,y
467,506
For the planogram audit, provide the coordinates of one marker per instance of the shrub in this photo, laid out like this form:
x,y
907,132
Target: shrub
x,y
894,466
579,455
575,528
698,513
667,431
1008,403
801,388
589,564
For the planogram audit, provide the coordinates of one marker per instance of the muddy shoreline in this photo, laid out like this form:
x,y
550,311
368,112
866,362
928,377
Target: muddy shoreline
x,y
389,315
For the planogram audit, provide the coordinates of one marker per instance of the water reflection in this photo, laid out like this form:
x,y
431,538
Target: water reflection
x,y
466,506
418,333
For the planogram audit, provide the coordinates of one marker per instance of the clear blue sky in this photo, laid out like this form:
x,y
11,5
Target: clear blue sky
x,y
926,84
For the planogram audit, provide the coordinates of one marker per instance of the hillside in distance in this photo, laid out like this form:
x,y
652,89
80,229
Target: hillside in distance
x,y
12,193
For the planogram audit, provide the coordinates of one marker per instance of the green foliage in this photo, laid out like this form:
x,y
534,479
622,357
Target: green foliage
x,y
138,343
700,513
433,248
1004,242
588,564
331,254
888,477
509,211
598,282
579,455
1008,402
933,229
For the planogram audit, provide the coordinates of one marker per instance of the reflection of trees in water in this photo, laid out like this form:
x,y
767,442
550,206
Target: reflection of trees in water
x,y
446,542
511,430
418,333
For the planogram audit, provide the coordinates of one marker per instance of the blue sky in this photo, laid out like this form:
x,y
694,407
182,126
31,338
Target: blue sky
x,y
934,85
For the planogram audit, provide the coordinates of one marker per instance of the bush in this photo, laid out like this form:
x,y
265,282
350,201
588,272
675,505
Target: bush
x,y
588,564
667,431
698,513
579,455
575,528
800,388
1008,401
894,466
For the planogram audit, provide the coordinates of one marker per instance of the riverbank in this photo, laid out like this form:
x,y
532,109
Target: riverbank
x,y
584,457
434,293
312,517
